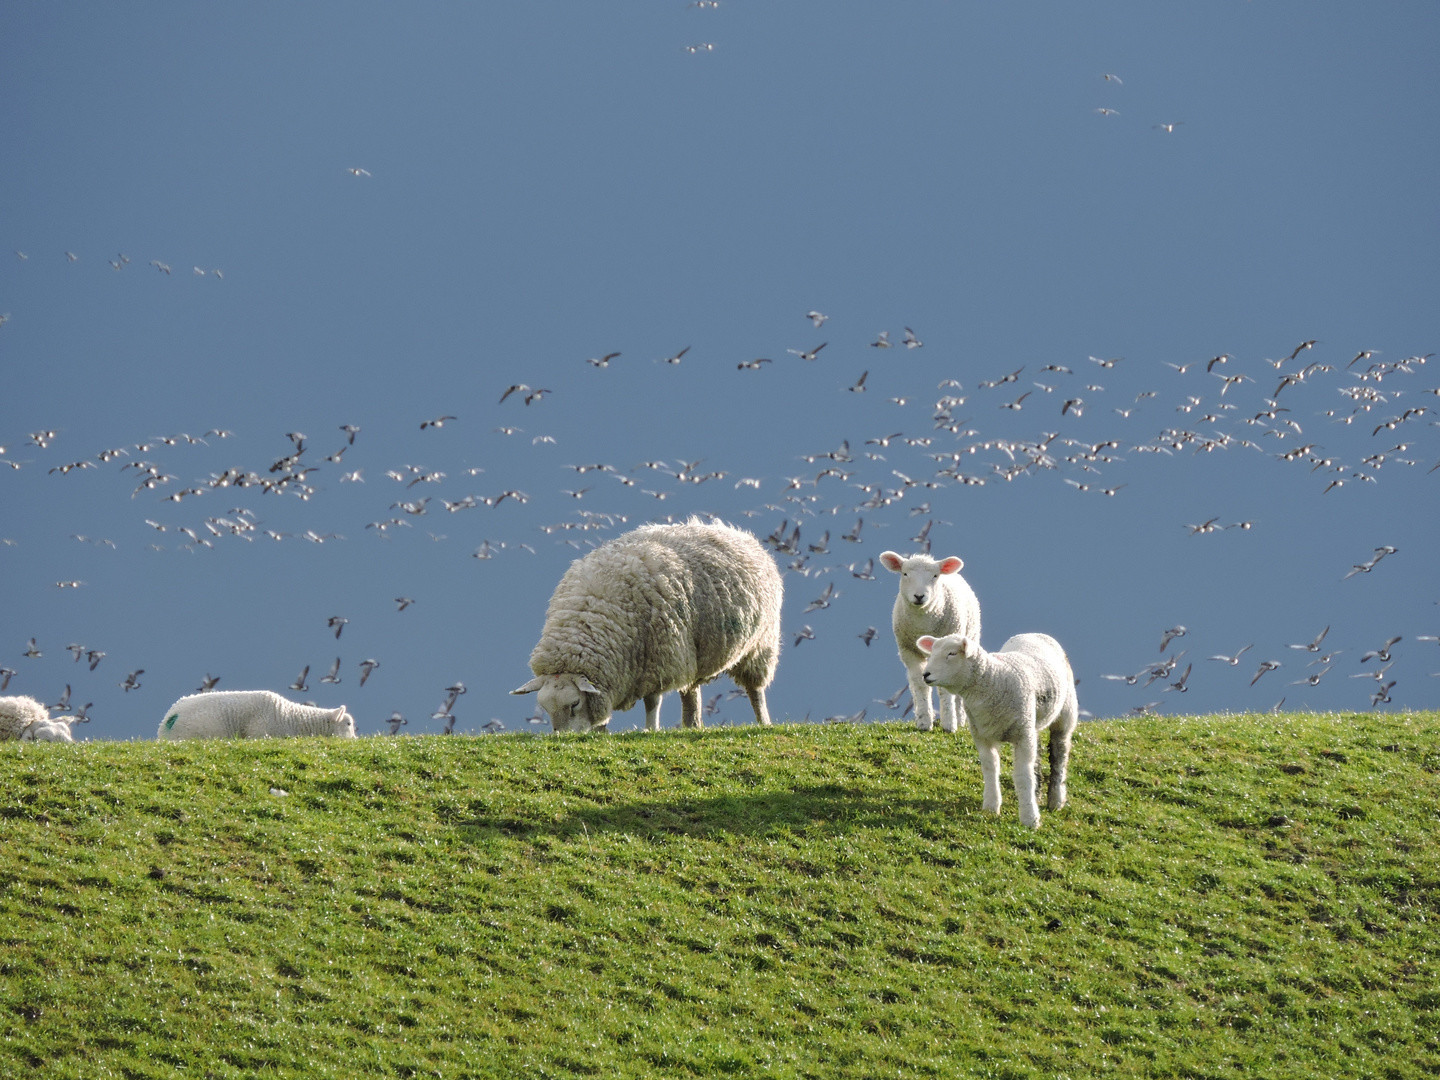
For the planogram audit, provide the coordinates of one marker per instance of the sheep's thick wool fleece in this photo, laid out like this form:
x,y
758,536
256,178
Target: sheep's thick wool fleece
x,y
18,713
249,714
664,606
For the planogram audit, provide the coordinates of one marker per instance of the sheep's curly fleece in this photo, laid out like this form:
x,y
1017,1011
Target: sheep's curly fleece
x,y
665,607
17,714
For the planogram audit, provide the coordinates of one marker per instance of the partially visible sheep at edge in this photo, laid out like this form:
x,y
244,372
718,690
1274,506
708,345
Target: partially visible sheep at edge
x,y
26,719
1013,695
663,607
933,599
250,714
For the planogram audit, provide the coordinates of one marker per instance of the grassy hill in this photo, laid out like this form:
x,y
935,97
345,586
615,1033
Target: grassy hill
x,y
1239,896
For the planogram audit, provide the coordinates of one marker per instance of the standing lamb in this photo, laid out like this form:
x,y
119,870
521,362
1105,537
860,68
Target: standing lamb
x,y
664,607
26,719
250,714
1012,695
935,600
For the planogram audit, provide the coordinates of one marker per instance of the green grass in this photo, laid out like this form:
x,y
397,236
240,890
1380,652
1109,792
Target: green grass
x,y
1240,896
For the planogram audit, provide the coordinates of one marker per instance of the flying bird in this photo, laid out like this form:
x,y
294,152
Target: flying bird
x,y
603,361
859,387
208,683
299,683
816,318
1313,646
336,623
677,357
1170,635
333,676
1233,661
1265,665
367,667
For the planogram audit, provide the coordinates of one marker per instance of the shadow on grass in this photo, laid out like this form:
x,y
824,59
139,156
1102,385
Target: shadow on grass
x,y
826,807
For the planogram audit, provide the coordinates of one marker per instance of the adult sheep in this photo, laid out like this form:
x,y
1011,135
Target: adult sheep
x,y
28,720
1013,695
664,607
933,600
250,714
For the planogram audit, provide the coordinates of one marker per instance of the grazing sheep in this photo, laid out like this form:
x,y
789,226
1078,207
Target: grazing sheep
x,y
28,720
935,600
1012,696
664,607
250,714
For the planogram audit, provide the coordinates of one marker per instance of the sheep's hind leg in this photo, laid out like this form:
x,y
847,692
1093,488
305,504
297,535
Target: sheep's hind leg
x,y
690,708
757,702
1060,734
652,712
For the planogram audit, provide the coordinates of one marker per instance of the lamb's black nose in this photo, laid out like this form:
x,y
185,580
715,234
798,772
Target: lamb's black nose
x,y
926,676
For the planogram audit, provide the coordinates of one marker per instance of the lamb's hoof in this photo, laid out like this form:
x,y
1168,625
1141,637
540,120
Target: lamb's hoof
x,y
924,725
1056,801
949,729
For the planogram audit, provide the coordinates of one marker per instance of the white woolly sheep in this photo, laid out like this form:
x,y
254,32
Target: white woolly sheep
x,y
935,600
28,720
664,607
1012,695
250,714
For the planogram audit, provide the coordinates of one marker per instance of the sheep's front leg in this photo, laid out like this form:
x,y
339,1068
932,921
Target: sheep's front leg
x,y
1026,751
652,712
690,708
920,694
757,702
950,711
990,774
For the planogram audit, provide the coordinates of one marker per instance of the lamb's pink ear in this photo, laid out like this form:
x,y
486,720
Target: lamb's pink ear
x,y
890,561
966,647
586,685
925,644
952,565
336,715
530,687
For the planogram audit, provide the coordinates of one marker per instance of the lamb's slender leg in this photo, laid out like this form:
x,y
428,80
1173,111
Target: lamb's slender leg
x,y
1061,733
757,702
690,708
949,711
1026,750
920,695
652,712
990,774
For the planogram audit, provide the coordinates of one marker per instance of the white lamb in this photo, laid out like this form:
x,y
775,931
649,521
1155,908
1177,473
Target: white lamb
x,y
250,714
664,607
1012,696
935,600
26,719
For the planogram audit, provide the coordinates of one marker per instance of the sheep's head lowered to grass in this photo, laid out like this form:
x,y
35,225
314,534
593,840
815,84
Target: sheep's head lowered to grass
x,y
919,573
572,702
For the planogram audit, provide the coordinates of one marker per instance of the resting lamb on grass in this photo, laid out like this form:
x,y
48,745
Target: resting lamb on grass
x,y
250,714
664,607
935,600
1012,695
28,720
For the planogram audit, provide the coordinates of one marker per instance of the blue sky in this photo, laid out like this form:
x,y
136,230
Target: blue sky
x,y
549,183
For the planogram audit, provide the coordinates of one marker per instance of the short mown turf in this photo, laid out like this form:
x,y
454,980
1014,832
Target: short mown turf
x,y
1236,896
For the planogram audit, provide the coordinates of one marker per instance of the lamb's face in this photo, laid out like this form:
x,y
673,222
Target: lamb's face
x,y
947,662
919,574
570,706
344,724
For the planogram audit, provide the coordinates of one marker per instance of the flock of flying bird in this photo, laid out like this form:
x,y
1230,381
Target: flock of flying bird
x,y
953,448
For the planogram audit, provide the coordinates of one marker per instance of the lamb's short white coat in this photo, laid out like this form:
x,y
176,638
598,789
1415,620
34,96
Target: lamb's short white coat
x,y
250,714
933,600
28,720
1011,696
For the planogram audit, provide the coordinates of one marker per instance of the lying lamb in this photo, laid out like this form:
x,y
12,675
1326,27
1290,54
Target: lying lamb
x,y
935,600
26,719
1012,696
250,714
664,607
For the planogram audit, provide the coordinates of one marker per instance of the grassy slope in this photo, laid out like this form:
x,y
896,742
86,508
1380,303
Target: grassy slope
x,y
807,901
